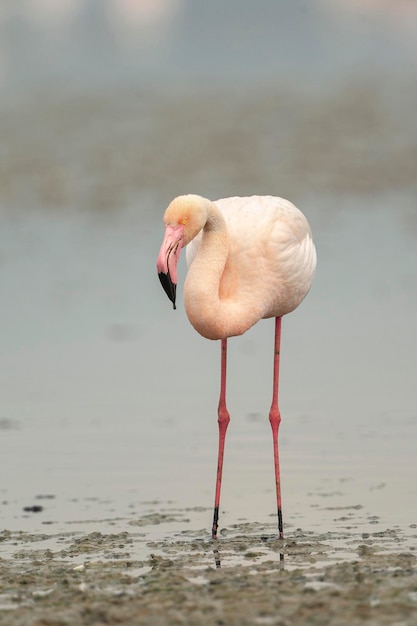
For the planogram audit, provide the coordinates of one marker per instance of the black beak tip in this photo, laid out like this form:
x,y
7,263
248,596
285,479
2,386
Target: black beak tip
x,y
169,287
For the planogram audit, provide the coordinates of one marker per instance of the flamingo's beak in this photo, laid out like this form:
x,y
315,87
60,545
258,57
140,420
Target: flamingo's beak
x,y
168,258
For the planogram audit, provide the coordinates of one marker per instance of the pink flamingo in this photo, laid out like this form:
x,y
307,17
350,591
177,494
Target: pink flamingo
x,y
249,259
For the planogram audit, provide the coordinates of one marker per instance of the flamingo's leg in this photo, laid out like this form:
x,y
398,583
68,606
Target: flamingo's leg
x,y
223,420
275,419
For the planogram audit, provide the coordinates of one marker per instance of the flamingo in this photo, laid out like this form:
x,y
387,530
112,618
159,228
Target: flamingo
x,y
249,259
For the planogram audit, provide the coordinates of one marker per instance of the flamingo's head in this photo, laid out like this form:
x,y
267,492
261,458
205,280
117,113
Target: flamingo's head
x,y
183,219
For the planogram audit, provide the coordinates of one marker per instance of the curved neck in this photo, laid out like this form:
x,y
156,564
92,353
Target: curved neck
x,y
211,286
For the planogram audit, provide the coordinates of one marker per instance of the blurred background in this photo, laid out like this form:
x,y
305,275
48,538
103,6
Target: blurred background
x,y
109,109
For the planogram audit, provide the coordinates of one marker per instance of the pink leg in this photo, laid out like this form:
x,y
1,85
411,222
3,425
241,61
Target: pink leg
x,y
223,420
275,419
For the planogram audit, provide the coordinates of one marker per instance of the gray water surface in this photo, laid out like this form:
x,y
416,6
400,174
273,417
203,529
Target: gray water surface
x,y
109,394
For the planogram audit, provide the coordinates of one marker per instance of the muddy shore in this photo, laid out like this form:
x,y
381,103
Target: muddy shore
x,y
94,578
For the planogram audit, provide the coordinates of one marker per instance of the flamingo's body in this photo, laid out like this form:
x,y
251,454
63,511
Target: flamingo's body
x,y
249,258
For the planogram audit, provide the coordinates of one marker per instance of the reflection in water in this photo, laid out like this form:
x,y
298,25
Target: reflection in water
x,y
217,560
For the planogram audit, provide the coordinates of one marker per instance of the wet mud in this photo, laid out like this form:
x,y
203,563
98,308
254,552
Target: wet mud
x,y
94,578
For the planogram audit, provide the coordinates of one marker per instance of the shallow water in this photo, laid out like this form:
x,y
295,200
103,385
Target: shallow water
x,y
109,397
